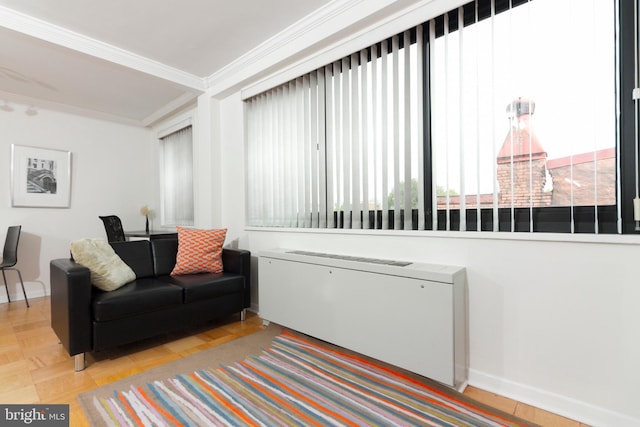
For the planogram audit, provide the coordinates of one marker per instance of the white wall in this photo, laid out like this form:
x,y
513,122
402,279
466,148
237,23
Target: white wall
x,y
554,323
114,171
553,320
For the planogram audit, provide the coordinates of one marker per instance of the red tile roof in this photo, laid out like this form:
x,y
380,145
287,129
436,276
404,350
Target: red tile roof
x,y
576,159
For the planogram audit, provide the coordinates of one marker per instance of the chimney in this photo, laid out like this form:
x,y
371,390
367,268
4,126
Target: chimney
x,y
522,162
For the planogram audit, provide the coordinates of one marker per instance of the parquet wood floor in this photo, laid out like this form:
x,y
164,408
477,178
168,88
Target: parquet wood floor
x,y
34,368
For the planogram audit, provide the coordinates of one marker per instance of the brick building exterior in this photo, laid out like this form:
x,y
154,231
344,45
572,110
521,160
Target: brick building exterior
x,y
522,162
527,178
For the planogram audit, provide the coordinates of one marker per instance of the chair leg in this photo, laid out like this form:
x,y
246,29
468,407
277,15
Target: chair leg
x,y
22,284
6,288
4,276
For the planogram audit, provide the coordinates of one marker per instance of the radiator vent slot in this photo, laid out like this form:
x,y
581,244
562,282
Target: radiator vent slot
x,y
353,258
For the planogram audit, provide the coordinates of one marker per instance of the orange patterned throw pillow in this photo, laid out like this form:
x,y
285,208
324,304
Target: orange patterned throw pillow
x,y
199,251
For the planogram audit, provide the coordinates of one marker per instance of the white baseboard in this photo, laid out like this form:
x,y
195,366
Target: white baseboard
x,y
558,404
17,295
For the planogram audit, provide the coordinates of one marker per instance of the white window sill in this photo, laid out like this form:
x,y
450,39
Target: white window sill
x,y
618,239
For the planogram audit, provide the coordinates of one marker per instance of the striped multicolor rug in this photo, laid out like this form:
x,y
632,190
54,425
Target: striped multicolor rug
x,y
295,382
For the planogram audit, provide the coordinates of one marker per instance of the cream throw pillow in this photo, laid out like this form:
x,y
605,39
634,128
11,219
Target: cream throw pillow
x,y
108,271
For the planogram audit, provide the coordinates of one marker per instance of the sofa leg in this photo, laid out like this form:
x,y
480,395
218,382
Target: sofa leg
x,y
243,315
79,362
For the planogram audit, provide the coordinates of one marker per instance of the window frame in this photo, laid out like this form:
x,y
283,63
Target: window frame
x,y
612,219
627,139
552,219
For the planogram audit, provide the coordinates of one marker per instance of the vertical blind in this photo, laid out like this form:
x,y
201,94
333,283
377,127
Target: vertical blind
x,y
514,130
374,137
341,147
285,161
177,184
456,124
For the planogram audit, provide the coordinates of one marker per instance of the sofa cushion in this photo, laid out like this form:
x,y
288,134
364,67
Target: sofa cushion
x,y
137,255
199,251
164,255
108,270
198,287
139,296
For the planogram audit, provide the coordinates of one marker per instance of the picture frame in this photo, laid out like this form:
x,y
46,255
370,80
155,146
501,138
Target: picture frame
x,y
40,177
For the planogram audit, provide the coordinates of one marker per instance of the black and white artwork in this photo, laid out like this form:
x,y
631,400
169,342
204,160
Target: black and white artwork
x,y
40,177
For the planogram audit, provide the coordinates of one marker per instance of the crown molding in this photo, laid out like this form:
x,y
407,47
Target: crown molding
x,y
180,102
397,17
285,38
337,29
39,29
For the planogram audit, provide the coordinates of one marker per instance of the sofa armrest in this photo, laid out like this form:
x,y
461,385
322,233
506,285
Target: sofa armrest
x,y
71,305
238,261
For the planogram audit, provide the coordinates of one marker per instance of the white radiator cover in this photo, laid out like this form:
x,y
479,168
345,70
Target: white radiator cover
x,y
413,316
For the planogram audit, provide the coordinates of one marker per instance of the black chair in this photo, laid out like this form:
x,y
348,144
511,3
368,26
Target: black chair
x,y
10,258
113,227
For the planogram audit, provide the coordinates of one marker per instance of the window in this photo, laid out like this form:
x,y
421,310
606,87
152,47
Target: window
x,y
341,147
176,155
524,116
374,138
490,117
284,131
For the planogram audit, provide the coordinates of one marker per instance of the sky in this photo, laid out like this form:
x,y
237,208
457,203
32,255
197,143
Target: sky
x,y
558,53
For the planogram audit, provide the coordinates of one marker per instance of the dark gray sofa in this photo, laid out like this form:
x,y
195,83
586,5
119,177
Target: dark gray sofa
x,y
87,319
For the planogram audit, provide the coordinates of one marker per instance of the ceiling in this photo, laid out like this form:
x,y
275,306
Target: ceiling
x,y
131,61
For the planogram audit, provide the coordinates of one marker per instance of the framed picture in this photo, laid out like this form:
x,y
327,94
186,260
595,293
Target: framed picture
x,y
40,177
